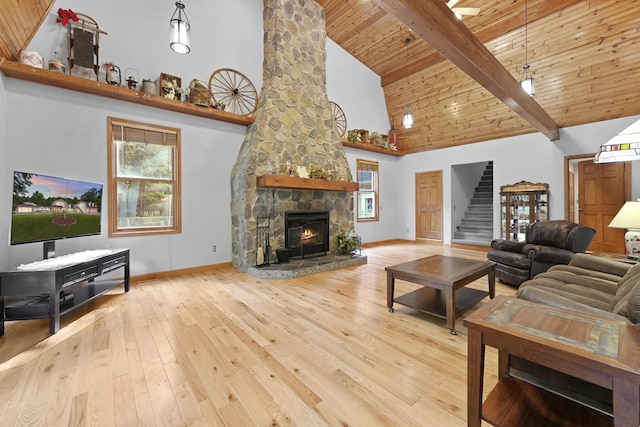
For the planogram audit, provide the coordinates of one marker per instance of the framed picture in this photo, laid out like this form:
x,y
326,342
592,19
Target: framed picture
x,y
170,86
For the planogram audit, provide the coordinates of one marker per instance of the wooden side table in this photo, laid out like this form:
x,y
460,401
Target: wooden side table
x,y
599,351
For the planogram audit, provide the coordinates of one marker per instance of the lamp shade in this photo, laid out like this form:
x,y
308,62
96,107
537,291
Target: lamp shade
x,y
180,30
629,217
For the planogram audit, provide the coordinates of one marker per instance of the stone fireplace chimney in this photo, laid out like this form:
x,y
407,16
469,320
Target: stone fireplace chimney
x,y
293,124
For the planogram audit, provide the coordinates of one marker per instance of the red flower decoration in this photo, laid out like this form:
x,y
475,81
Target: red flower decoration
x,y
64,15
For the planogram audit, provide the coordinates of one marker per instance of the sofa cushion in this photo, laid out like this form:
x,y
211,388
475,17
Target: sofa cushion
x,y
512,259
633,305
583,294
627,285
596,263
586,272
544,296
560,234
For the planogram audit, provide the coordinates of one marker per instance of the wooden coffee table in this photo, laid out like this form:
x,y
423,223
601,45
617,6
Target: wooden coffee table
x,y
443,279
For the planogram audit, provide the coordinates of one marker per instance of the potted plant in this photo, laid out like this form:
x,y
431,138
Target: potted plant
x,y
348,241
375,138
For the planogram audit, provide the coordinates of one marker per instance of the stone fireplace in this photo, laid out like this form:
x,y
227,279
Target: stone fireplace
x,y
293,124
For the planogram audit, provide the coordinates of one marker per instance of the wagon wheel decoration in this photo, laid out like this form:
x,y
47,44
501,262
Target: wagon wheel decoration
x,y
234,90
339,117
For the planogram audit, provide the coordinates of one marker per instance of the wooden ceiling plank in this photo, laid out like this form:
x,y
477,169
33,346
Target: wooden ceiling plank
x,y
497,29
437,25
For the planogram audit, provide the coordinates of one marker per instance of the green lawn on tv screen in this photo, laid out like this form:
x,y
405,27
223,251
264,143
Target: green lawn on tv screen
x,y
37,227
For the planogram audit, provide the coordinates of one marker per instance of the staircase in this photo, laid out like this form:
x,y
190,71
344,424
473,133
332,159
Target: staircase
x,y
476,227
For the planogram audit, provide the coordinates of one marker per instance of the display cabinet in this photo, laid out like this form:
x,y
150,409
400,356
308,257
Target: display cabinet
x,y
521,204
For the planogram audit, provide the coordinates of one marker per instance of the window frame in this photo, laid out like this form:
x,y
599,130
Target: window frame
x,y
113,179
368,190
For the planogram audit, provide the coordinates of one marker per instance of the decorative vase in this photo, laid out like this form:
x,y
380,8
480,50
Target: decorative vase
x,y
29,57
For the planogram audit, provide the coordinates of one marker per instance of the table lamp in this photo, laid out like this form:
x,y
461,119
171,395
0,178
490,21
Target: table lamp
x,y
629,217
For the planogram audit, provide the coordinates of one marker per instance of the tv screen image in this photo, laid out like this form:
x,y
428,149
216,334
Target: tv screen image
x,y
47,208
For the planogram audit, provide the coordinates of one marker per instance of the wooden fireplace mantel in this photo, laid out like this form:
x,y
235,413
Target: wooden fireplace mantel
x,y
297,183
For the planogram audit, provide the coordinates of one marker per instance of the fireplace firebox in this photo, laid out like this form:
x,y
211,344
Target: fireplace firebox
x,y
306,232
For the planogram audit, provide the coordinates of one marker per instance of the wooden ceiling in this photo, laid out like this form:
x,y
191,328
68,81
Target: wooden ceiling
x,y
584,55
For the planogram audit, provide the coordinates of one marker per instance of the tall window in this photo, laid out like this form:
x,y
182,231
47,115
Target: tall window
x,y
144,178
367,190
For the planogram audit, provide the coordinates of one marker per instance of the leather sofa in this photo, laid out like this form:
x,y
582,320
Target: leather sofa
x,y
546,243
589,284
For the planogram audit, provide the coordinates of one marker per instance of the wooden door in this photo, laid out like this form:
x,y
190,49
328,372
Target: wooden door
x,y
601,194
429,205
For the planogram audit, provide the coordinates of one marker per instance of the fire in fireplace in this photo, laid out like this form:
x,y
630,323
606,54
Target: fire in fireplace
x,y
306,232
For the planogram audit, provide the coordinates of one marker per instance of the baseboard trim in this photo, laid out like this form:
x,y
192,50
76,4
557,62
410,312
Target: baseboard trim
x,y
386,242
180,272
471,247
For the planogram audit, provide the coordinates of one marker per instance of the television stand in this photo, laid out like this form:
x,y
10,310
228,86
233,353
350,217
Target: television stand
x,y
55,291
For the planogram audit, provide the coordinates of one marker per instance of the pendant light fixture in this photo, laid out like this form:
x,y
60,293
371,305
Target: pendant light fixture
x,y
407,118
527,81
180,36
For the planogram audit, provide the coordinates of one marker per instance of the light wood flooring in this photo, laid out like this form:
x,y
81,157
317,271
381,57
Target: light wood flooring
x,y
222,348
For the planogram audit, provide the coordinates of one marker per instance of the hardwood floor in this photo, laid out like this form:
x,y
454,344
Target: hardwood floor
x,y
225,348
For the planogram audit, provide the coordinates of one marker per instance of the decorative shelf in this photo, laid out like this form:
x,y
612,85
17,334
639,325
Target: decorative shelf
x,y
296,183
371,147
79,84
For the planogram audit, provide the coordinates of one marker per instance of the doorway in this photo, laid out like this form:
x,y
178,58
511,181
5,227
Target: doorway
x,y
429,205
601,191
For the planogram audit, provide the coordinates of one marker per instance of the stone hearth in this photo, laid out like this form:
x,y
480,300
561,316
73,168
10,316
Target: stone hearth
x,y
302,267
293,124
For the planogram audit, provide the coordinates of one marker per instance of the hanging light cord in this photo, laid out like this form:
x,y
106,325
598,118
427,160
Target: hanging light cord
x,y
407,41
526,33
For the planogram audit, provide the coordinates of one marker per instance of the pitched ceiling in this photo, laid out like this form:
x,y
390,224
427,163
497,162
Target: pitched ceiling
x,y
584,55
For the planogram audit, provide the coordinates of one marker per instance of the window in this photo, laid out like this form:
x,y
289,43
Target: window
x,y
367,190
144,178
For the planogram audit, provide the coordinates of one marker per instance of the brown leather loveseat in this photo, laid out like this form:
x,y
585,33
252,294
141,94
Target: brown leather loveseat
x,y
546,243
589,284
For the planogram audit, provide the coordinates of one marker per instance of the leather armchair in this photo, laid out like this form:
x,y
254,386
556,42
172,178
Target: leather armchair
x,y
546,243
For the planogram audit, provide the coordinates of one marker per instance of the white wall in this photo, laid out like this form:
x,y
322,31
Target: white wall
x,y
529,157
63,133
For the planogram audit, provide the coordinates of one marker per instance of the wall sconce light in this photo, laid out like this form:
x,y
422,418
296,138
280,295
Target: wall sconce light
x,y
180,35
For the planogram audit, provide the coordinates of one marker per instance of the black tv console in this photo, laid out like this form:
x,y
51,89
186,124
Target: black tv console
x,y
50,293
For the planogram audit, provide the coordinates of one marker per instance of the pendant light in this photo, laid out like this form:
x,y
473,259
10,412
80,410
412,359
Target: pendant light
x,y
407,118
527,81
180,35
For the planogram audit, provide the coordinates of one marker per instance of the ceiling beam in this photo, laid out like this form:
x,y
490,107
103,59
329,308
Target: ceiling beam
x,y
498,29
436,24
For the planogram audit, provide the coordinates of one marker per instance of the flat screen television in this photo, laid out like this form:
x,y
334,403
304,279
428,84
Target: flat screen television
x,y
47,208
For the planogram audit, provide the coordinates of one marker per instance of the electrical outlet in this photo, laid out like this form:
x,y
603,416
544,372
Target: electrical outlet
x,y
213,248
